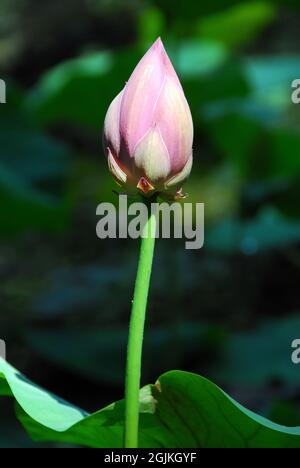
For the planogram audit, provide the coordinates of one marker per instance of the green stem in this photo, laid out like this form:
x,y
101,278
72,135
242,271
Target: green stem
x,y
136,334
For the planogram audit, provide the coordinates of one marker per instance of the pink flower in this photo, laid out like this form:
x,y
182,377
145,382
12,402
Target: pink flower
x,y
148,129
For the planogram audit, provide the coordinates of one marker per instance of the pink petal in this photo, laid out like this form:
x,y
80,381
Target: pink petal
x,y
141,94
111,125
174,120
115,168
178,179
151,156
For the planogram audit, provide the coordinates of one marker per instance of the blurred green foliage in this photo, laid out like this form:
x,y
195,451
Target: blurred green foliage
x,y
65,296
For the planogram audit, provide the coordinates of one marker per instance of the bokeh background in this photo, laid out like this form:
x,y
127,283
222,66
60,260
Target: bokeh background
x,y
228,311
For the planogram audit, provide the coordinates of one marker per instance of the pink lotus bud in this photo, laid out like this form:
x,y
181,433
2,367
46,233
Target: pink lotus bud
x,y
148,129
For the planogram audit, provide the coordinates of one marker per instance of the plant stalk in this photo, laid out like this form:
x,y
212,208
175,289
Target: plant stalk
x,y
136,333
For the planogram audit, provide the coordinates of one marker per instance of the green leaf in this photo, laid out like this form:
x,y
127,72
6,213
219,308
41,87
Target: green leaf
x,y
239,151
258,153
198,58
269,99
30,208
270,74
30,160
203,415
285,412
285,153
80,90
179,9
248,18
151,23
65,92
181,410
42,406
30,154
270,79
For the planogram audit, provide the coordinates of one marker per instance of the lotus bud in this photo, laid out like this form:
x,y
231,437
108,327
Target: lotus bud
x,y
148,129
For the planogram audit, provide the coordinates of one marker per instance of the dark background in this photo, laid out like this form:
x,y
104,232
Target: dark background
x,y
228,311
